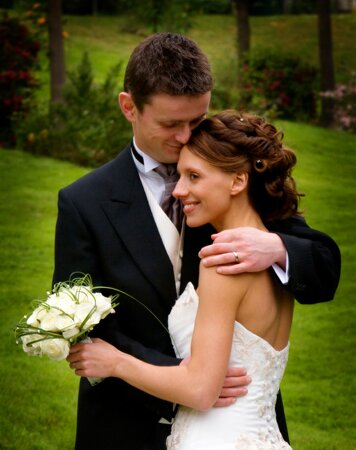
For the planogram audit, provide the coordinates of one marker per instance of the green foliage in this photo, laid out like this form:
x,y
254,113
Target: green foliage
x,y
225,92
304,6
159,15
212,6
150,10
87,128
18,59
282,84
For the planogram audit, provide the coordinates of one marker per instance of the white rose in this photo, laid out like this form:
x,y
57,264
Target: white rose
x,y
42,312
70,332
62,302
103,305
64,322
31,349
51,321
32,319
56,349
83,294
83,311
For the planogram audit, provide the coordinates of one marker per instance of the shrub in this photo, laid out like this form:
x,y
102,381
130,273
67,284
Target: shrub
x,y
18,56
344,97
87,128
225,93
282,84
164,15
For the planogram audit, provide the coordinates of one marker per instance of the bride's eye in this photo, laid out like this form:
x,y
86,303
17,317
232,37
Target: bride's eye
x,y
193,176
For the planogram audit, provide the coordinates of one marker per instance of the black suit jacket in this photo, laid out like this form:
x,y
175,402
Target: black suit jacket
x,y
105,228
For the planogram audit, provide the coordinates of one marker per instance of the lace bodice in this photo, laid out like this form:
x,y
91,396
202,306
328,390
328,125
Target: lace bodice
x,y
249,423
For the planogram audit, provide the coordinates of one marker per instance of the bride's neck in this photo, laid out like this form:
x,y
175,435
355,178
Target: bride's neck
x,y
242,214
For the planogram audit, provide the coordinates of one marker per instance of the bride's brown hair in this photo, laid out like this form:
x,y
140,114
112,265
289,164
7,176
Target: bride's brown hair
x,y
241,142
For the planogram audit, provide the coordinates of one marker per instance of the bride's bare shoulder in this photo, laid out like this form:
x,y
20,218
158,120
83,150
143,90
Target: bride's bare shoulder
x,y
231,286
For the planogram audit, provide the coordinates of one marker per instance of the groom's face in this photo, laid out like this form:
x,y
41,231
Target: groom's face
x,y
165,124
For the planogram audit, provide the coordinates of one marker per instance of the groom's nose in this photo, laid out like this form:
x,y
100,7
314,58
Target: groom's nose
x,y
183,134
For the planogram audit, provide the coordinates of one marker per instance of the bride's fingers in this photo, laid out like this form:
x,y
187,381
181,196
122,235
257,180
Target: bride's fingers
x,y
233,392
226,401
236,381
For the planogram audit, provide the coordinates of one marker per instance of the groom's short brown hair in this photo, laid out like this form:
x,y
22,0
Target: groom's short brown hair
x,y
168,63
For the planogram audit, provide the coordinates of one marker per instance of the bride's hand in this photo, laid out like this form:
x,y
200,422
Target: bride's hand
x,y
95,359
235,385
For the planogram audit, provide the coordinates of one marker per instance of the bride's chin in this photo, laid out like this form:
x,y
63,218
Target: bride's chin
x,y
193,223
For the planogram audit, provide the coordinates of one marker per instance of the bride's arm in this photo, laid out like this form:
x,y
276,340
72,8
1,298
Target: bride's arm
x,y
197,384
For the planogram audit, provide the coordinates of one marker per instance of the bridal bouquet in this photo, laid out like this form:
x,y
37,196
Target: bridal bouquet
x,y
66,317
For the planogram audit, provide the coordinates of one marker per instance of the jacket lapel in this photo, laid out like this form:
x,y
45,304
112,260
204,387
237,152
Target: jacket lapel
x,y
129,213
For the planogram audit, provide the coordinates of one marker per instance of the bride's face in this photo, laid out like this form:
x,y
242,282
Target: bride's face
x,y
205,190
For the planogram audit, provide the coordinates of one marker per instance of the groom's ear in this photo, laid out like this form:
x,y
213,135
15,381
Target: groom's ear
x,y
239,183
127,106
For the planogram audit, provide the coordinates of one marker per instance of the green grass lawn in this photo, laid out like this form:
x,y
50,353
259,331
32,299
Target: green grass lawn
x,y
320,382
38,396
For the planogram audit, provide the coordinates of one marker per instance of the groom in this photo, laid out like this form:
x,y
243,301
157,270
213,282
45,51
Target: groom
x,y
110,226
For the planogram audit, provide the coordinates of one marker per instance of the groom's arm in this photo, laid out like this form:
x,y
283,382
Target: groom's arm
x,y
314,261
314,258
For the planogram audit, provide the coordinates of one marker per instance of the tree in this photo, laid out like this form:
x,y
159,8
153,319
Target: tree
x,y
243,30
243,48
56,50
327,77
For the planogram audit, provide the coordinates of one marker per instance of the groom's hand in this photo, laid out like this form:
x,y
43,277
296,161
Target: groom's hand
x,y
235,385
244,249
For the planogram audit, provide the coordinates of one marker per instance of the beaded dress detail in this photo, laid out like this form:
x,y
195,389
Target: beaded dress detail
x,y
250,423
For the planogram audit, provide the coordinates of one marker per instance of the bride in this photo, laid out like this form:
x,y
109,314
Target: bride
x,y
234,172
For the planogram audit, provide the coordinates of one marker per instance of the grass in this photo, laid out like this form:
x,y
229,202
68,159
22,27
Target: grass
x,y
38,397
320,381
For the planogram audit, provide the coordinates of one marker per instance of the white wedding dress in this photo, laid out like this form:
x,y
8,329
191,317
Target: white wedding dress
x,y
248,424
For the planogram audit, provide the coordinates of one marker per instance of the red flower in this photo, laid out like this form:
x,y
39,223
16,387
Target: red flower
x,y
274,85
22,75
284,99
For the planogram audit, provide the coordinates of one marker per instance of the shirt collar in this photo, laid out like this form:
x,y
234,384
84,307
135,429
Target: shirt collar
x,y
148,164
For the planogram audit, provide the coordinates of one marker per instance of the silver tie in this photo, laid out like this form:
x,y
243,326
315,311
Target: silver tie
x,y
170,205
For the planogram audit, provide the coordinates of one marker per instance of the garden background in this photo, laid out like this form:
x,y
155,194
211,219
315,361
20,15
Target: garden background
x,y
38,396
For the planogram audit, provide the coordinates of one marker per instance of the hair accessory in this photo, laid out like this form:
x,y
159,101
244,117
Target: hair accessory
x,y
241,119
260,165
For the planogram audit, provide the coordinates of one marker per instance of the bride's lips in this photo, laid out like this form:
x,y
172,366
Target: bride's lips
x,y
188,207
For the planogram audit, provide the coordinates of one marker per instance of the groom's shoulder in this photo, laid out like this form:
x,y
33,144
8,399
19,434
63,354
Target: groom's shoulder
x,y
102,176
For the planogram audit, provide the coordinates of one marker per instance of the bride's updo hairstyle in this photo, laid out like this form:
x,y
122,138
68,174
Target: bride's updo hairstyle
x,y
241,142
